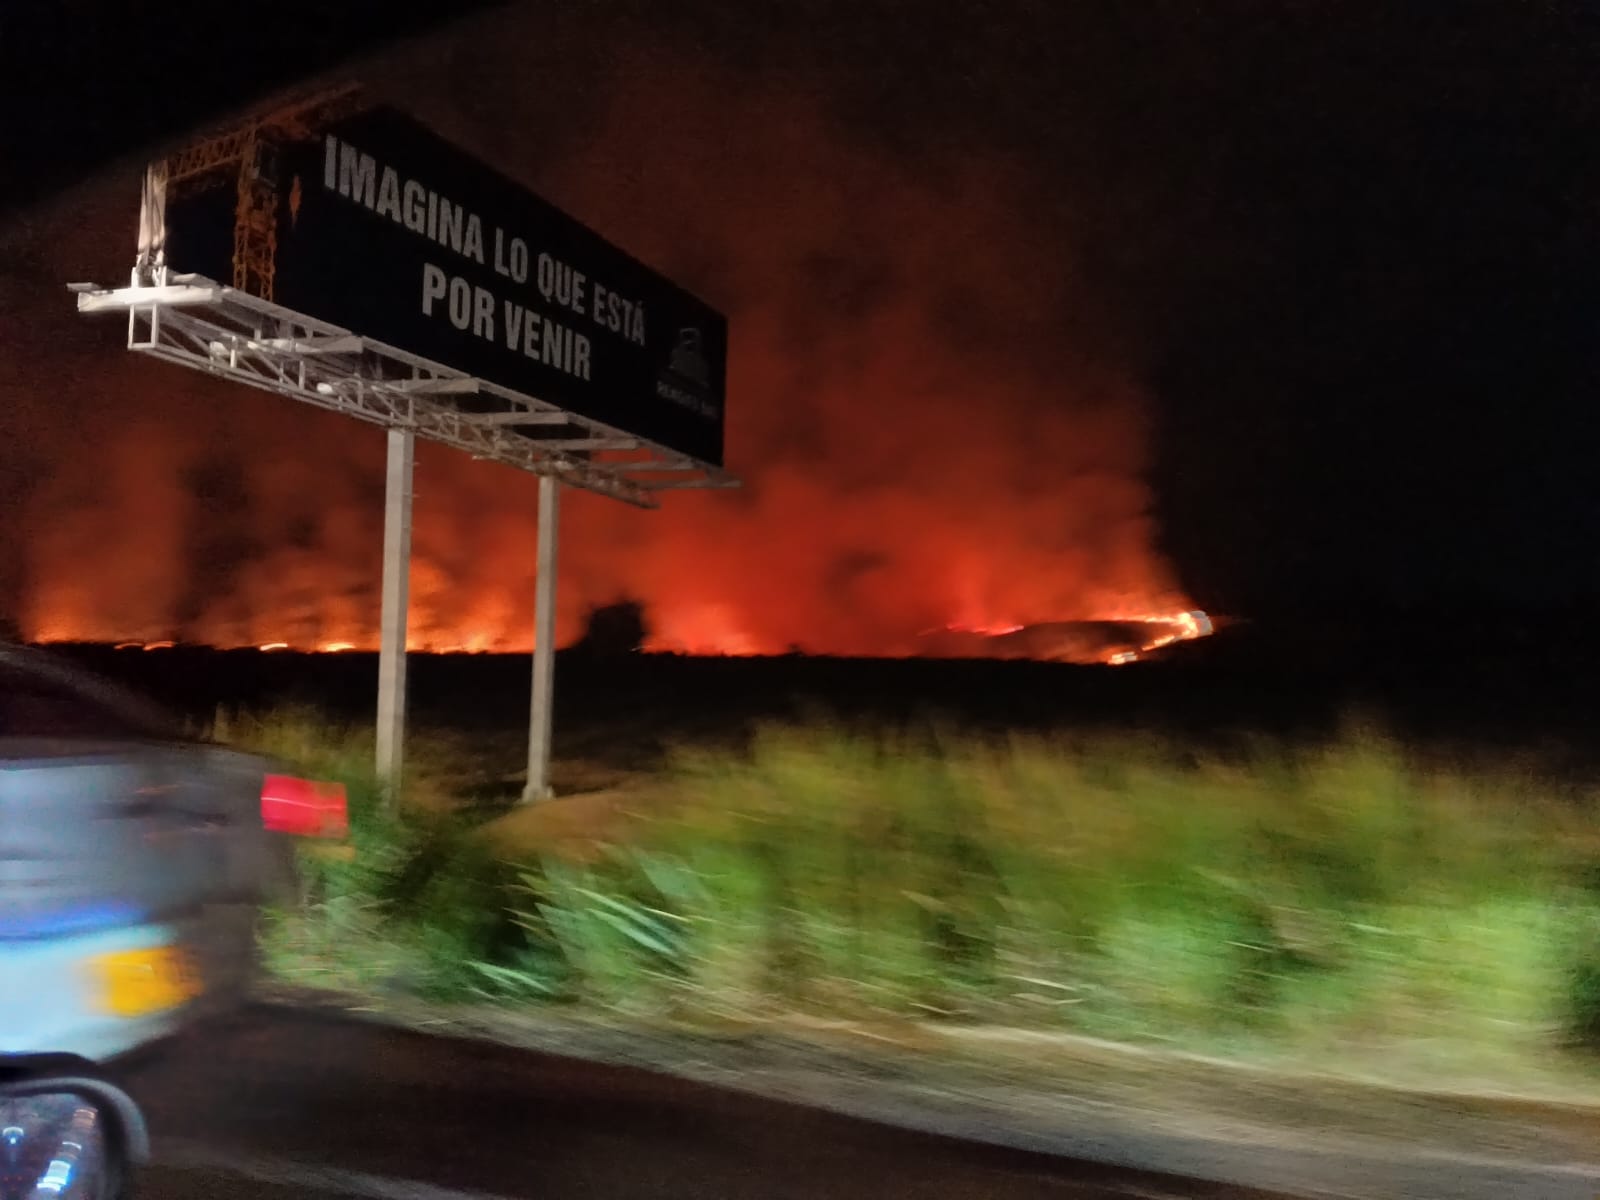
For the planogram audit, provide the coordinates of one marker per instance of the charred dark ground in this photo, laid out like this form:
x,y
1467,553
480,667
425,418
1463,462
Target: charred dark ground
x,y
1506,695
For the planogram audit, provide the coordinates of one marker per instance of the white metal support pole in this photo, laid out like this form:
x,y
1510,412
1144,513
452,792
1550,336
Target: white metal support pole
x,y
544,643
396,595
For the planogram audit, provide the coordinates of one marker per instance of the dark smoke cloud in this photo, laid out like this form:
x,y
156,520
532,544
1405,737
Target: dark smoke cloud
x,y
925,431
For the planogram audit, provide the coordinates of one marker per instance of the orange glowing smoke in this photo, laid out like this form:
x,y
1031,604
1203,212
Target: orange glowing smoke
x,y
927,439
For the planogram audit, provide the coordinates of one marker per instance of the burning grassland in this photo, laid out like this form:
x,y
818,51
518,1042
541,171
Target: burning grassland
x,y
926,438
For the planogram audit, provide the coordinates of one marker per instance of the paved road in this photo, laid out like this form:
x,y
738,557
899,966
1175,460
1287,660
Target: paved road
x,y
309,1106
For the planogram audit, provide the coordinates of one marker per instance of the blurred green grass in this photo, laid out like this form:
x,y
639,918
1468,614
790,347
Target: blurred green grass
x,y
1357,900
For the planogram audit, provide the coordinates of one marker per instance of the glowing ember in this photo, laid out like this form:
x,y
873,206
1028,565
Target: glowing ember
x,y
1181,627
1113,642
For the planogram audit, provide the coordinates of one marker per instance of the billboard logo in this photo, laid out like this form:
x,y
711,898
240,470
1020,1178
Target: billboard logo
x,y
686,380
689,360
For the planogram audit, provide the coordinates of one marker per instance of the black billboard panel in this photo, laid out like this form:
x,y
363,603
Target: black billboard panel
x,y
388,230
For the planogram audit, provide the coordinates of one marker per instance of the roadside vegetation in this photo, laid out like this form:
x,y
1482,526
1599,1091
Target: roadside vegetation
x,y
1332,905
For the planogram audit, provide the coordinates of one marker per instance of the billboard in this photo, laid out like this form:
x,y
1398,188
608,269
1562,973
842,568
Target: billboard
x,y
374,223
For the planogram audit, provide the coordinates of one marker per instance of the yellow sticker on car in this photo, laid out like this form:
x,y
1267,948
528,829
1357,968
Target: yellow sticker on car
x,y
136,983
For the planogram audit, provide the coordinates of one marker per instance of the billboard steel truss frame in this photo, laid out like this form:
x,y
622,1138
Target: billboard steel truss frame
x,y
200,323
231,333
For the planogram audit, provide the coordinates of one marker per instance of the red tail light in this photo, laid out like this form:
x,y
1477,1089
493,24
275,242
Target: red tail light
x,y
304,807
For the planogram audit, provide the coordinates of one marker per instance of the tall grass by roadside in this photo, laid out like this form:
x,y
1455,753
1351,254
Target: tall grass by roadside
x,y
408,896
1314,900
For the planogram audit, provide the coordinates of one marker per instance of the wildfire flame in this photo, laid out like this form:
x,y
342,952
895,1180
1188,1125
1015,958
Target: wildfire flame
x,y
932,465
1114,642
712,631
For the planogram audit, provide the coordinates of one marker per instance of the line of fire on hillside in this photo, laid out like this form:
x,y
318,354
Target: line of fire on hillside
x,y
1115,642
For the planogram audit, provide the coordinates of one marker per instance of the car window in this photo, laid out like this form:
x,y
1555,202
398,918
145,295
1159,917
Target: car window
x,y
35,707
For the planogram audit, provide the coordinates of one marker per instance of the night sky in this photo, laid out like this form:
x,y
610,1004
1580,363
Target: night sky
x,y
1346,254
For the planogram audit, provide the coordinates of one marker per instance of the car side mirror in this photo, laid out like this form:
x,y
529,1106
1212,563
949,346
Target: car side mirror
x,y
67,1139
